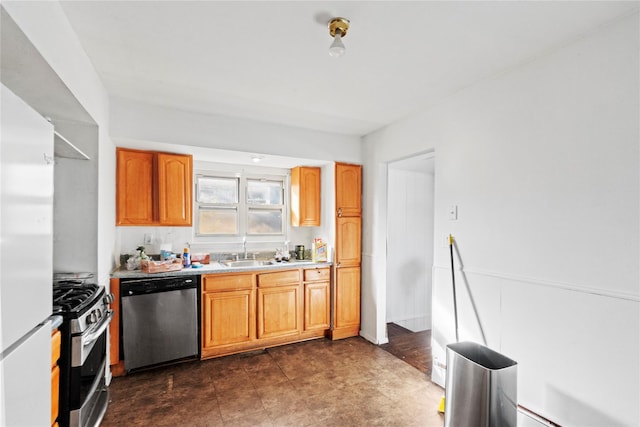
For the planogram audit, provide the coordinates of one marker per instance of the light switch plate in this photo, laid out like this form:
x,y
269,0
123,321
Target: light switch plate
x,y
453,212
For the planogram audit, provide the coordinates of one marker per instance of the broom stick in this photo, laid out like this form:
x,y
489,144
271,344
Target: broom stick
x,y
441,406
453,280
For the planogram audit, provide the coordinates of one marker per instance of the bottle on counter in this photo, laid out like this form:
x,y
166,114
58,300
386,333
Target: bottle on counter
x,y
186,258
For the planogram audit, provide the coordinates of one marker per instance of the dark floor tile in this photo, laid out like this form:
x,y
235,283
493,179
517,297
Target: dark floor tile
x,y
349,382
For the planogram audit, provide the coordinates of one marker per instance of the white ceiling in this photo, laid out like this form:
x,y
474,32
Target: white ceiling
x,y
268,60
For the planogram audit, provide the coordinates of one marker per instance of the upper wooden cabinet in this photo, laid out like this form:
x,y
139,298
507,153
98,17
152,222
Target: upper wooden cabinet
x,y
305,196
175,180
348,190
134,187
153,188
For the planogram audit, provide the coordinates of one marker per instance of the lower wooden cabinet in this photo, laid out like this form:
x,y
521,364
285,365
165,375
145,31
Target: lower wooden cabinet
x,y
55,375
252,310
228,318
279,311
316,299
228,313
347,302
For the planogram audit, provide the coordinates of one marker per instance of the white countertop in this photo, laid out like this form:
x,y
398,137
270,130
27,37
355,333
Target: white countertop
x,y
216,267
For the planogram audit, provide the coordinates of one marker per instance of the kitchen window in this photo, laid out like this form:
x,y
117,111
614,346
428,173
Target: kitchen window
x,y
240,205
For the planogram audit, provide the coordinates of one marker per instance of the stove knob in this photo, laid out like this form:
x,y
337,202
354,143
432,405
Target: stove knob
x,y
92,318
109,298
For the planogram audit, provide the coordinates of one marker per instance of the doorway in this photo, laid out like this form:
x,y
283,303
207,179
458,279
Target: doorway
x,y
410,243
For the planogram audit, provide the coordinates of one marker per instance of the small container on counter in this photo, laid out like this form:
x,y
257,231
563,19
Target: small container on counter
x,y
186,258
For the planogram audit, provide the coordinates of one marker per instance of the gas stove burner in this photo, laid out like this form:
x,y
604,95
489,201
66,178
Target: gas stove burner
x,y
72,297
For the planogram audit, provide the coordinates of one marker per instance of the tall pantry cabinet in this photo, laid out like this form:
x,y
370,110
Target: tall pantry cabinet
x,y
346,285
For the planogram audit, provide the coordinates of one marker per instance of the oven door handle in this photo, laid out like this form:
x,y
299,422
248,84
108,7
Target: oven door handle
x,y
99,329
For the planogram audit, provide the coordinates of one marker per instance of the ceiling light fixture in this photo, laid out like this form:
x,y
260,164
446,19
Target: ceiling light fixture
x,y
337,29
256,159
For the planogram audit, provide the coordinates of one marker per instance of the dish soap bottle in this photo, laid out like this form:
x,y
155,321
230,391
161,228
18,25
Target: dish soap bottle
x,y
186,258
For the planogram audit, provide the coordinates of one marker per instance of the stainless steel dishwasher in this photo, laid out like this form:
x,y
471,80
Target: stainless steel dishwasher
x,y
159,320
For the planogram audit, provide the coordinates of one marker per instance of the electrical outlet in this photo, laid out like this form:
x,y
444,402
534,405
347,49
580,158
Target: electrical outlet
x,y
438,364
148,238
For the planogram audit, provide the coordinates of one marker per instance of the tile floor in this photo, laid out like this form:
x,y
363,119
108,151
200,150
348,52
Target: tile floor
x,y
350,382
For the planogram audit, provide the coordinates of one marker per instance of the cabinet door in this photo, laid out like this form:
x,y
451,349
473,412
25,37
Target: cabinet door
x,y
174,189
316,306
348,190
134,187
228,318
348,242
55,375
347,295
305,196
278,311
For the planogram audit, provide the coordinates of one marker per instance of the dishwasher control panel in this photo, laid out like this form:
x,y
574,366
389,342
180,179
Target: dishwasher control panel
x,y
149,286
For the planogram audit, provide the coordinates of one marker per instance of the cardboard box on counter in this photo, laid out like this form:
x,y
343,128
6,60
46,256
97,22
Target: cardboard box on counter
x,y
150,266
319,251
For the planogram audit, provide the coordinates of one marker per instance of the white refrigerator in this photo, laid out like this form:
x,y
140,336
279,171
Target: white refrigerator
x,y
26,249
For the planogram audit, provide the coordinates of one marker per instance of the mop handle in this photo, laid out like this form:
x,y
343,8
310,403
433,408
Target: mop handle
x,y
453,280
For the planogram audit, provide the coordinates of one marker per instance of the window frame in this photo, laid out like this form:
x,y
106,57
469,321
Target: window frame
x,y
243,207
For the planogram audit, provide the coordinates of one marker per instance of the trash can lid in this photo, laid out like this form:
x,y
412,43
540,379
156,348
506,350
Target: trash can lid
x,y
482,355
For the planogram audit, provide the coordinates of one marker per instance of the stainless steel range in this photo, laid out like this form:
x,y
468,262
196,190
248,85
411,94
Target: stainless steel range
x,y
83,354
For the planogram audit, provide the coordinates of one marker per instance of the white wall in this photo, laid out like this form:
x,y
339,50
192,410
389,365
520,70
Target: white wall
x,y
143,122
543,163
144,126
75,237
409,248
47,28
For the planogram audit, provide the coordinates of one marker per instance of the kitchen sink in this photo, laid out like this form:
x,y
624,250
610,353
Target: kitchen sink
x,y
246,263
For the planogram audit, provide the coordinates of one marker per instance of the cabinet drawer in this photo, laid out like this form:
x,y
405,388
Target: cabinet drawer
x,y
279,278
315,274
221,282
55,347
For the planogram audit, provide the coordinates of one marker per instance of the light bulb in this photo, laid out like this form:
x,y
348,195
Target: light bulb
x,y
337,47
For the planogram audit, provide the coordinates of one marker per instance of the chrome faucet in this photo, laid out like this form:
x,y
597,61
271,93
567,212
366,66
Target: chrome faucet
x,y
244,246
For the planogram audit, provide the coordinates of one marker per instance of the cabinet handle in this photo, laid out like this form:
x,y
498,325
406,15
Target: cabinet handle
x,y
339,212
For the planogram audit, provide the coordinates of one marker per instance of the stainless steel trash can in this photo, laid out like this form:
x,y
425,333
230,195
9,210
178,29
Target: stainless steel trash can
x,y
481,387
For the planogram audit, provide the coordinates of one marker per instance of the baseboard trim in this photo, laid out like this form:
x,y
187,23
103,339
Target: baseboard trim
x,y
373,339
